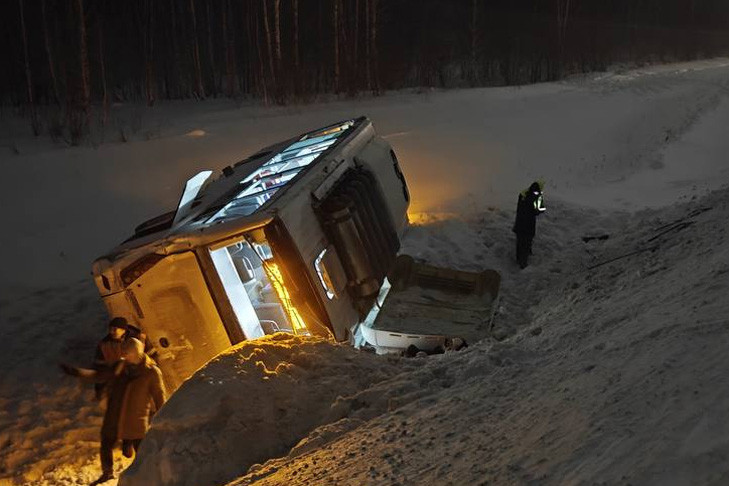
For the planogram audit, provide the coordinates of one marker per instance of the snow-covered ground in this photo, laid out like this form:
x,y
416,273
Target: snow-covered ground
x,y
619,376
616,374
612,375
600,140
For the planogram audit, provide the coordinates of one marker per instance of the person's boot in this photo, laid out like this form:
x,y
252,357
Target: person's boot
x,y
128,448
105,476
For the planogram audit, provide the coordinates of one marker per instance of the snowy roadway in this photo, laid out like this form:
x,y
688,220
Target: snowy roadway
x,y
613,375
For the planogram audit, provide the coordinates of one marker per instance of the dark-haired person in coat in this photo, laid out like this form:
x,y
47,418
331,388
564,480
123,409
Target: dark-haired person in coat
x,y
529,206
136,392
109,350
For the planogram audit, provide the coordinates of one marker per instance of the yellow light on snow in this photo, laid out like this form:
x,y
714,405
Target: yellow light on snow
x,y
276,279
422,218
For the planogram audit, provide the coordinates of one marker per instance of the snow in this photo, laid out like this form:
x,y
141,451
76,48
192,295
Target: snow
x,y
616,374
49,424
458,148
268,394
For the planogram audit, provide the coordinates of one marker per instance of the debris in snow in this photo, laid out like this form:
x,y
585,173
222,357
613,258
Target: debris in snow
x,y
197,133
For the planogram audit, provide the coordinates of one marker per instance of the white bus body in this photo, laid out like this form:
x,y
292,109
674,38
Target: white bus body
x,y
296,238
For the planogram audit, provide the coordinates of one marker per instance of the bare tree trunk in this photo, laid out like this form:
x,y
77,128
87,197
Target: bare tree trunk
x,y
347,47
563,15
84,55
335,39
176,70
211,52
49,54
31,102
102,67
277,32
356,38
295,6
229,45
199,88
149,51
322,74
251,45
634,31
694,40
262,80
474,14
28,80
269,48
375,57
368,44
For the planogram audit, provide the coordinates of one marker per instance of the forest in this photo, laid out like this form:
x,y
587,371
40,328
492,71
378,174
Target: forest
x,y
67,61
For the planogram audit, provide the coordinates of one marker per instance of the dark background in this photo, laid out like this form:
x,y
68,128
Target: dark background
x,y
81,55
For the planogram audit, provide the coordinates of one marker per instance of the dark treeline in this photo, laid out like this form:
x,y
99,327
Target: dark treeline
x,y
76,57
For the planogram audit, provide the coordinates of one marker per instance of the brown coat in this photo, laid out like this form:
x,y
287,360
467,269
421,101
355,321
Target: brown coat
x,y
135,394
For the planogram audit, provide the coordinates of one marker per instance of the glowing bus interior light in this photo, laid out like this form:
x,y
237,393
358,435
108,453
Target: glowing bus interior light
x,y
276,278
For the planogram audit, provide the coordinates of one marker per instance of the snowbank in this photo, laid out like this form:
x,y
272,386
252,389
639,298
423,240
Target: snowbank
x,y
621,377
617,373
255,402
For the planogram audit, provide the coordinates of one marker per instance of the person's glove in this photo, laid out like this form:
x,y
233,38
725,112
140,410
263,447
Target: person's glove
x,y
69,370
99,393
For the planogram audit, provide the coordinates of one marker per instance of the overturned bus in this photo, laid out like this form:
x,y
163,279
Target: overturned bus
x,y
298,238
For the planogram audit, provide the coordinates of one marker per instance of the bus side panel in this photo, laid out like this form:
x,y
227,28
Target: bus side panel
x,y
119,305
306,233
179,316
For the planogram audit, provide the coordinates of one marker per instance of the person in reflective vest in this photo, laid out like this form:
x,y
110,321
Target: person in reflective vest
x,y
529,206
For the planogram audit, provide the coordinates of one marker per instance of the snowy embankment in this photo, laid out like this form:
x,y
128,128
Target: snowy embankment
x,y
596,371
257,401
616,375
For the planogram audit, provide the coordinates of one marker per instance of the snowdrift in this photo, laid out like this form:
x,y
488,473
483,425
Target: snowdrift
x,y
255,402
619,375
